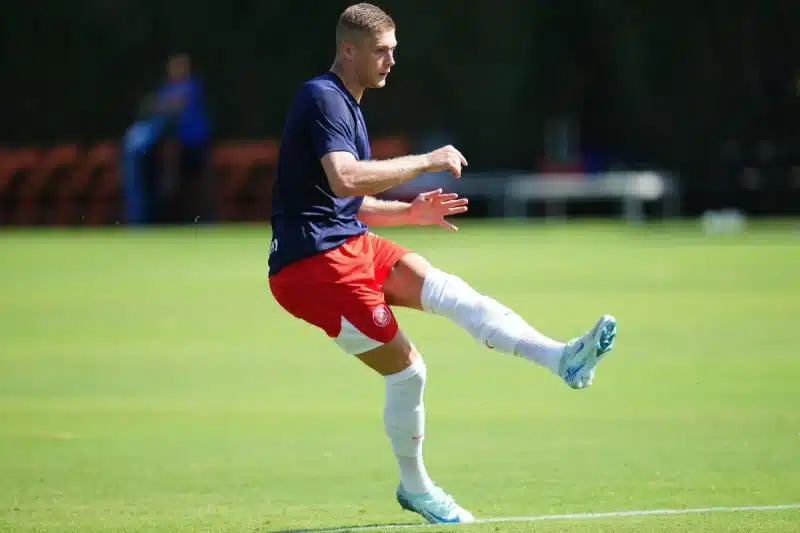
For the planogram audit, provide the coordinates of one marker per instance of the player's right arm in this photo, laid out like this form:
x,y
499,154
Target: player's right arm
x,y
351,177
333,135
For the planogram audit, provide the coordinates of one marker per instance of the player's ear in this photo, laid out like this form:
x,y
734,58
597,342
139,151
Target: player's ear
x,y
351,46
345,50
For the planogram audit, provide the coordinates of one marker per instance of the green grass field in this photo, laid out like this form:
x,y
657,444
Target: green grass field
x,y
149,383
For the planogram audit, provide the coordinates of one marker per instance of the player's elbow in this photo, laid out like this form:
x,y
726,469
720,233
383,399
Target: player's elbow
x,y
343,186
341,174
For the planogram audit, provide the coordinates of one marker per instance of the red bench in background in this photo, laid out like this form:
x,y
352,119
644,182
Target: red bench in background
x,y
70,184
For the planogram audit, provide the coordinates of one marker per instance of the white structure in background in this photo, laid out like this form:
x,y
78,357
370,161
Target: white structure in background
x,y
509,194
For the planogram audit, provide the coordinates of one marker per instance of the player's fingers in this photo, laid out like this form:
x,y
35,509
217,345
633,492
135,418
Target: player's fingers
x,y
461,157
455,203
455,166
457,210
446,225
446,197
430,194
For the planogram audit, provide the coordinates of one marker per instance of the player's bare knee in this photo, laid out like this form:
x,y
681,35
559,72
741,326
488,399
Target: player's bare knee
x,y
392,357
403,285
416,265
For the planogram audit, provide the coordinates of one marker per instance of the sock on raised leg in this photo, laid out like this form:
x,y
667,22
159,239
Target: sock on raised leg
x,y
488,321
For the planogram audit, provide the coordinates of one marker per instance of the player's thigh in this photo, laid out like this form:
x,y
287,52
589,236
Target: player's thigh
x,y
384,255
355,315
392,357
370,331
403,284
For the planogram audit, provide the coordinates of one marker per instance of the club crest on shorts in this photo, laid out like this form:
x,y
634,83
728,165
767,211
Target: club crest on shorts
x,y
381,316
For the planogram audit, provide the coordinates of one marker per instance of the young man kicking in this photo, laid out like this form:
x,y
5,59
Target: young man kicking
x,y
329,270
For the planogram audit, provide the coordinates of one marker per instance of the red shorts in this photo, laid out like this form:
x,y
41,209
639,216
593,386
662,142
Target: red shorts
x,y
340,291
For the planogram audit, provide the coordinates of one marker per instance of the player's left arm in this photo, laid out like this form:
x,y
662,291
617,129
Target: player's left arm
x,y
376,212
429,208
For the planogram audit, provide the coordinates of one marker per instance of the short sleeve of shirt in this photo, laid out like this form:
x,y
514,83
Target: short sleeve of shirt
x,y
332,126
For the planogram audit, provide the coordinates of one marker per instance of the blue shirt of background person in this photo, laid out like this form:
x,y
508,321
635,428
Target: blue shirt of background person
x,y
184,95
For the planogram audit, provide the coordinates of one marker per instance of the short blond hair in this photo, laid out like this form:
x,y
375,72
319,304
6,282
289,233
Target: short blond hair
x,y
361,20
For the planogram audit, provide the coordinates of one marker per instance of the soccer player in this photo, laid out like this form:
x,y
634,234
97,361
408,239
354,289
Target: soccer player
x,y
328,269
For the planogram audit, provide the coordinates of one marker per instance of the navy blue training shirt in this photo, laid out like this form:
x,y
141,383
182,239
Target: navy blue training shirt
x,y
307,217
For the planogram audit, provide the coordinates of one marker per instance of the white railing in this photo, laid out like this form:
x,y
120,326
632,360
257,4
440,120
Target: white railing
x,y
509,194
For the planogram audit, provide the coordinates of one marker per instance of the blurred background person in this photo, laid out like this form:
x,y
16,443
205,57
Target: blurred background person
x,y
187,158
142,163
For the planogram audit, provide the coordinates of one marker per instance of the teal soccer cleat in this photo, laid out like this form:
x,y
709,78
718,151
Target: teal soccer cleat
x,y
435,506
582,354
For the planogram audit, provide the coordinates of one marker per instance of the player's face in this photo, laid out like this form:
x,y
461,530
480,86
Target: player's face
x,y
375,59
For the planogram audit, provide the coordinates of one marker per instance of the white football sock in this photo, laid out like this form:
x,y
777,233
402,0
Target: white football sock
x,y
487,320
404,420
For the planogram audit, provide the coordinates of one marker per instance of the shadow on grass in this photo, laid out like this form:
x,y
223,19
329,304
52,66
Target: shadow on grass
x,y
354,529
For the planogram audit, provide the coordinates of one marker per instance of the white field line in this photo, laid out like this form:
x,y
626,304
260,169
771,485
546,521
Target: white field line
x,y
572,516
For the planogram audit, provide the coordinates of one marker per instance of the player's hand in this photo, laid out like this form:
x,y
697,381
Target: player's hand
x,y
447,158
430,208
